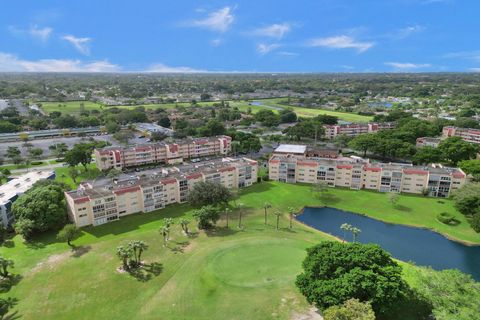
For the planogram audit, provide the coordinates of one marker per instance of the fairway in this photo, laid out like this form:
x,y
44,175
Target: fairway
x,y
257,264
227,273
70,107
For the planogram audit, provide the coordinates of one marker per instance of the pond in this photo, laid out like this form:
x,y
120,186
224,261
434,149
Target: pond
x,y
422,246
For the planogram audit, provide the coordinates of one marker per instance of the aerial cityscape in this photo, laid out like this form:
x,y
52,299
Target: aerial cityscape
x,y
308,160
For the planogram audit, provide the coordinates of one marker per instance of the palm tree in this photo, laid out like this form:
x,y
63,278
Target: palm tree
x,y
266,205
355,233
4,265
164,231
227,213
142,246
345,227
184,223
240,209
168,222
291,213
277,213
124,253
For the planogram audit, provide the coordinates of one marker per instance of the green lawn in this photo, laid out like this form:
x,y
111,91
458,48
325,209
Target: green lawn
x,y
73,107
62,174
36,163
227,274
70,107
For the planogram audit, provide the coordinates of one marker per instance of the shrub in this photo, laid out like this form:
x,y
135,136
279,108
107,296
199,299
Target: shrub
x,y
448,219
475,222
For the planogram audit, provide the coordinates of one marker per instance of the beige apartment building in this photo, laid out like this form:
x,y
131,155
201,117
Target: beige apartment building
x,y
355,129
469,135
105,200
138,155
357,173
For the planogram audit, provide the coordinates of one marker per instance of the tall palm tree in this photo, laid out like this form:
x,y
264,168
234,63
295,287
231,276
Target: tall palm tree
x,y
124,253
141,246
164,231
345,227
277,213
291,214
240,211
355,233
227,214
184,224
266,205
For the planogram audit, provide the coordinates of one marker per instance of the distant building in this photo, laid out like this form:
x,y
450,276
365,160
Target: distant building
x,y
150,128
169,153
10,191
428,142
305,151
104,200
357,173
469,135
355,129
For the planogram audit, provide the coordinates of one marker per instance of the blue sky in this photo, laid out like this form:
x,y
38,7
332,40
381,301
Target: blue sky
x,y
240,36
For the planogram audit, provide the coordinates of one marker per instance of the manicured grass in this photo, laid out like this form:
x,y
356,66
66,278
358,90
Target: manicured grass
x,y
230,273
70,107
36,163
62,174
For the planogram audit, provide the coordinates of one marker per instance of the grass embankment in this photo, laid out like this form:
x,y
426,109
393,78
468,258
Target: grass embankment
x,y
231,273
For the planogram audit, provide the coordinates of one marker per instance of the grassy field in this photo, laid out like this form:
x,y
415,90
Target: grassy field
x,y
73,107
62,174
229,273
70,107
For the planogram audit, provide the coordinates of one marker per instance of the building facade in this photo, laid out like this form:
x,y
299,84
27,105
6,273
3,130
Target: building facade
x,y
123,157
355,129
102,201
469,135
10,191
428,142
357,173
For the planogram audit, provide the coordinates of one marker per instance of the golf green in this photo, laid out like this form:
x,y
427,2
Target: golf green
x,y
257,264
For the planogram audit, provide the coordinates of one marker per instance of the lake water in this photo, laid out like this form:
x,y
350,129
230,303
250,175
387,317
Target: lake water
x,y
424,247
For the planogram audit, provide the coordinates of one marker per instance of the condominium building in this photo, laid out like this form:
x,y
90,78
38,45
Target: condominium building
x,y
305,151
357,173
428,142
105,200
169,153
469,135
10,191
355,129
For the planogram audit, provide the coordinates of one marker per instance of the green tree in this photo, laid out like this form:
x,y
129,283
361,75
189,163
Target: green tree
x,y
137,247
426,155
467,199
125,254
454,150
44,205
35,153
73,173
335,272
68,233
266,206
81,153
4,265
355,232
5,305
364,143
165,231
240,212
58,149
277,214
123,136
346,228
208,193
352,309
454,295
207,216
470,167
24,227
291,215
393,198
184,224
13,152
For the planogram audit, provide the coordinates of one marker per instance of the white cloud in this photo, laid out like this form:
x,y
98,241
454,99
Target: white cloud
x,y
264,48
219,20
341,42
40,33
273,31
81,44
407,31
11,63
216,42
288,53
468,55
162,68
407,65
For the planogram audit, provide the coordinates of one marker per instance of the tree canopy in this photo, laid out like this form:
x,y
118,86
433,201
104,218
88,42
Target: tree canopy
x,y
208,193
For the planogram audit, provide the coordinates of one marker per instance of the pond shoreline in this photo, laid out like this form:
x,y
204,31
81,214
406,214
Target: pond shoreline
x,y
451,238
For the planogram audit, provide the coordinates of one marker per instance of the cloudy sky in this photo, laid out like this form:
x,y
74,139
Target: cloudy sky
x,y
240,36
